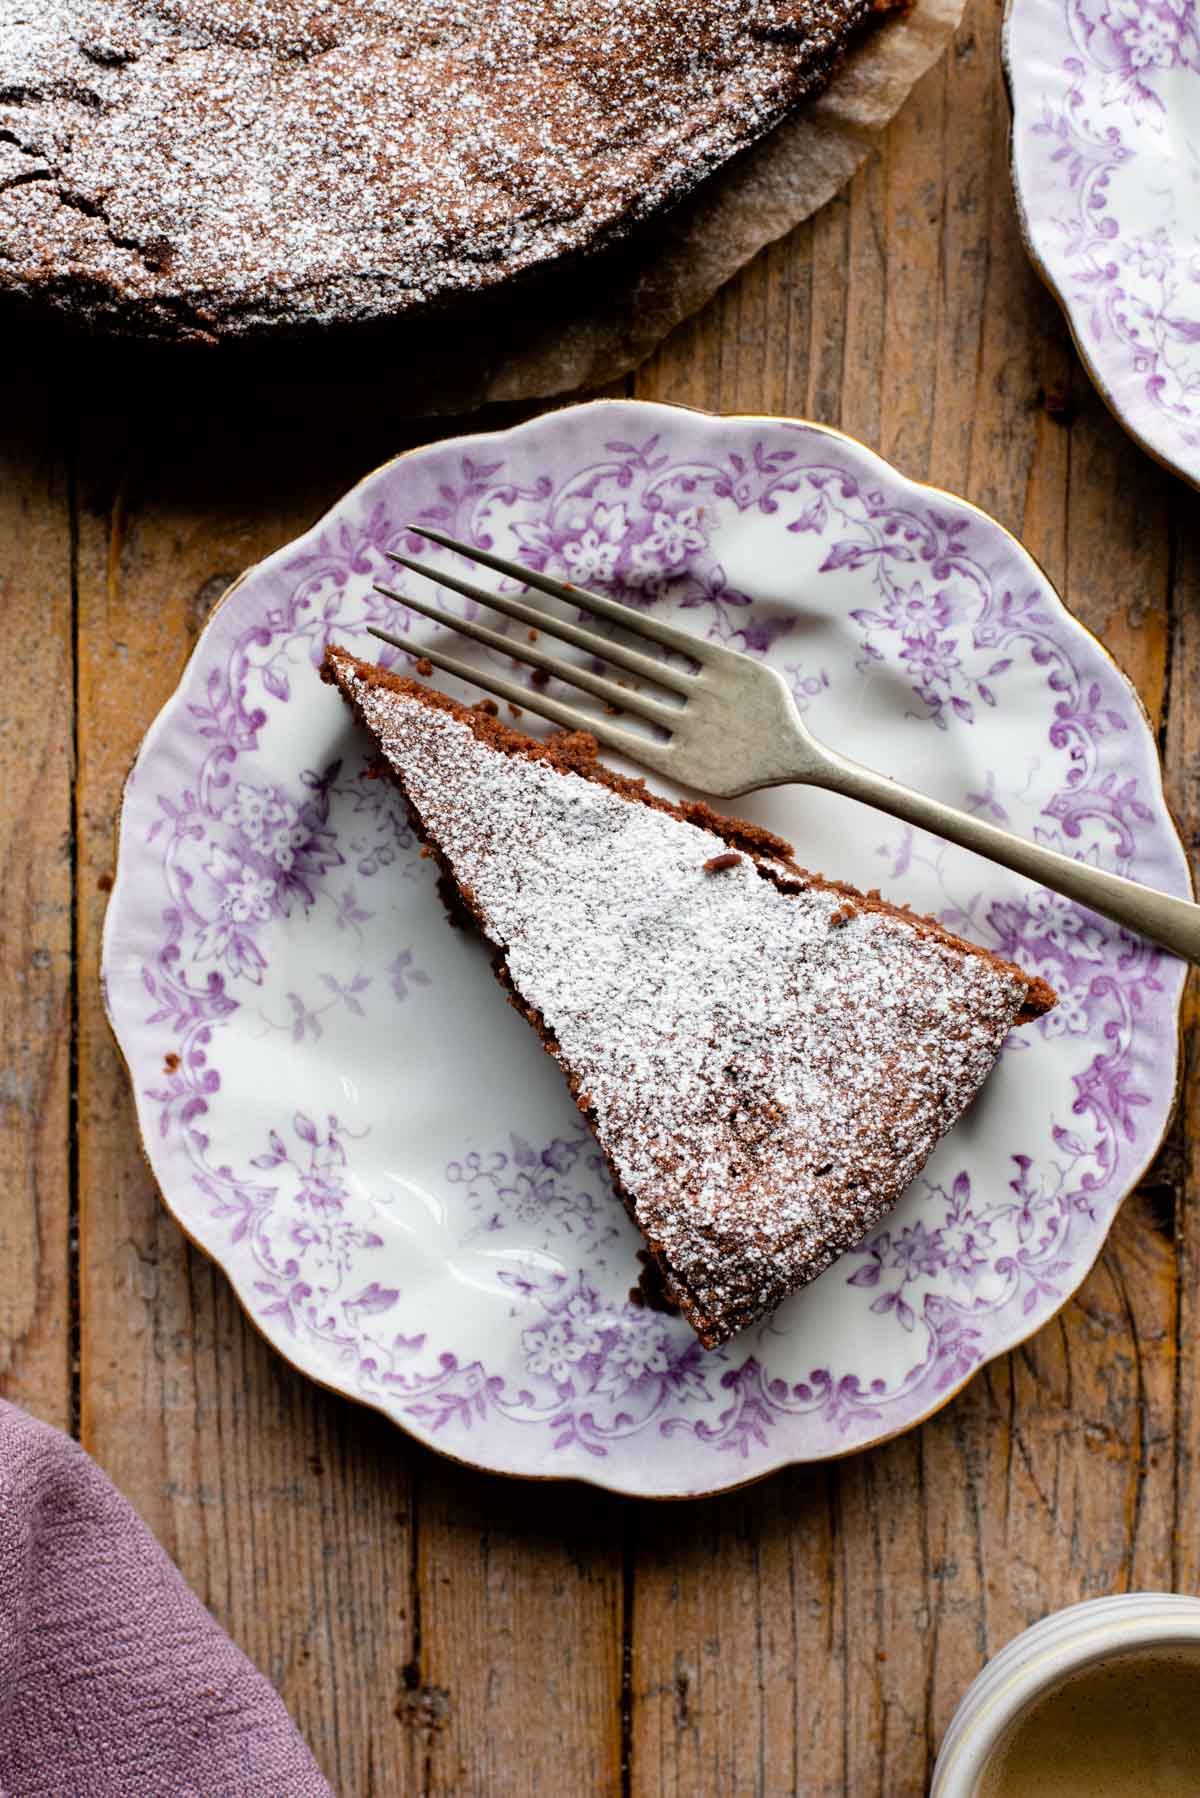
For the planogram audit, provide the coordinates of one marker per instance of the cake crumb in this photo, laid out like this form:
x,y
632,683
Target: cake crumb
x,y
424,666
539,678
487,706
533,633
171,1063
515,711
105,883
716,864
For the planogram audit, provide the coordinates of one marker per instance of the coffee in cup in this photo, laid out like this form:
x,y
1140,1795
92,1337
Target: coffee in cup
x,y
1125,1726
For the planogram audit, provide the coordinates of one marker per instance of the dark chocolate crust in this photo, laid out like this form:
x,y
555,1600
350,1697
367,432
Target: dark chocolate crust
x,y
211,169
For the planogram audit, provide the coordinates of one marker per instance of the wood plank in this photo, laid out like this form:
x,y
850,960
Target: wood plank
x,y
739,1641
36,999
1178,1193
518,1686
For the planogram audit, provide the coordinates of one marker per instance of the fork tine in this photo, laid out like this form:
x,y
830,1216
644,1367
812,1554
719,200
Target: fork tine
x,y
592,641
641,749
607,690
633,620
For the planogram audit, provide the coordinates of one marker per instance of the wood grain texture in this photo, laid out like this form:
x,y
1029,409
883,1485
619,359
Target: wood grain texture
x,y
37,717
1179,1181
434,1630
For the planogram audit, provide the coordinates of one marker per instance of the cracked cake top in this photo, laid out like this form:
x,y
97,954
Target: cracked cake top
x,y
207,168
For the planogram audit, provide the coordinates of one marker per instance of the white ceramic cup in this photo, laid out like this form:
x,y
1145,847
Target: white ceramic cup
x,y
1038,1659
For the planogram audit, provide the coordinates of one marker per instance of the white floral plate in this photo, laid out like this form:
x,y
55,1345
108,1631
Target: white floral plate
x,y
1106,165
340,1106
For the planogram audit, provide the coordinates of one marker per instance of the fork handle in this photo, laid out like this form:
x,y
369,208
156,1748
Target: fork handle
x,y
1174,923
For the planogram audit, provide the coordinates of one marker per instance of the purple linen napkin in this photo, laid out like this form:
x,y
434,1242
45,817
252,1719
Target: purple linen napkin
x,y
114,1680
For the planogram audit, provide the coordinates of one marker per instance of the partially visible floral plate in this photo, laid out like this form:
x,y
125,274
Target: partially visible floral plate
x,y
340,1106
1106,166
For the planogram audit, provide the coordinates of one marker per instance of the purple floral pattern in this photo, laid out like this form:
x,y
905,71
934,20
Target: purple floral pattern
x,y
557,1191
934,611
1106,96
436,1234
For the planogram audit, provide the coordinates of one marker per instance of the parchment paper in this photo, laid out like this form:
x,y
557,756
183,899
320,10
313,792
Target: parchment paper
x,y
583,326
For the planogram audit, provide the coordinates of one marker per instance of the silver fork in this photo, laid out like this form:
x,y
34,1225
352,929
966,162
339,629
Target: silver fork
x,y
737,729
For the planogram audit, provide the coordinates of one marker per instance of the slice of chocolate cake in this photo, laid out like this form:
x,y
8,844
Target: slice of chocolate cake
x,y
767,1057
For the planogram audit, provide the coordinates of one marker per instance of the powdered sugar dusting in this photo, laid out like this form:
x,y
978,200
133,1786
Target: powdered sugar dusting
x,y
767,1069
206,167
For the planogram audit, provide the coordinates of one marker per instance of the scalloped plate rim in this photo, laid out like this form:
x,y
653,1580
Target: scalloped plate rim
x,y
1184,464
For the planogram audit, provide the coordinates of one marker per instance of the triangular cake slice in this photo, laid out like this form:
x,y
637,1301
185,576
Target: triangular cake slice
x,y
767,1058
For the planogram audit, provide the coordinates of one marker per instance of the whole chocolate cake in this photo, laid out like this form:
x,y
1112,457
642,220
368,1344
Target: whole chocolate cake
x,y
767,1057
209,168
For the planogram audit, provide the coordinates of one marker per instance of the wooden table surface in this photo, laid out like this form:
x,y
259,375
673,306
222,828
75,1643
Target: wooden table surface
x,y
432,1629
